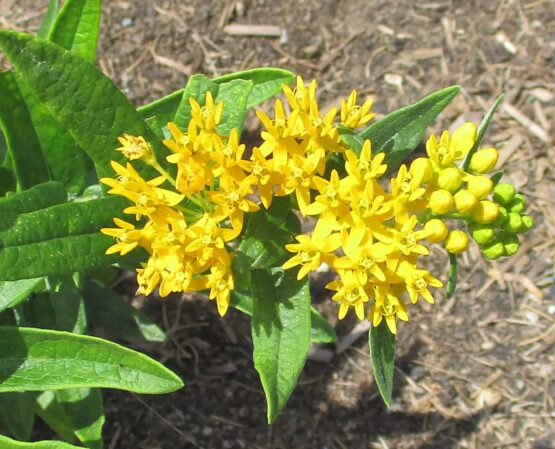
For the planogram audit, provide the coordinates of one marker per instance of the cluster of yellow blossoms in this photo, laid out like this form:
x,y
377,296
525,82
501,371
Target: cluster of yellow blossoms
x,y
370,235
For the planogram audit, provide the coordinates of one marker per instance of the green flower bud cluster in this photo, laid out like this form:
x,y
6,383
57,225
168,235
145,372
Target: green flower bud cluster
x,y
500,237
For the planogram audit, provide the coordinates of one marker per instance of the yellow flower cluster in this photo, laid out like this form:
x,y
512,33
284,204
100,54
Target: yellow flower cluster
x,y
186,228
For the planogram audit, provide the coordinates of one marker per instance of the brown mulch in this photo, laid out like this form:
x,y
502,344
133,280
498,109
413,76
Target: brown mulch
x,y
473,372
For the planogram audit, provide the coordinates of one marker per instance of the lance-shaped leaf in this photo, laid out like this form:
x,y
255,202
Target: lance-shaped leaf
x,y
8,443
196,88
14,292
37,197
27,158
49,18
76,27
17,413
266,83
280,333
399,133
234,96
80,97
382,354
7,180
39,359
57,240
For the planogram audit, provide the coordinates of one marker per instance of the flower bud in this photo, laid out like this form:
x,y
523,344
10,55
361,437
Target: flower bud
x,y
465,201
456,242
517,204
484,160
482,234
441,202
528,222
450,179
437,230
504,193
485,212
510,243
480,186
513,223
422,167
494,250
502,216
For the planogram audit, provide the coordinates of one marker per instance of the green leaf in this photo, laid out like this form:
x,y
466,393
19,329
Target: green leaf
x,y
76,27
48,19
7,180
266,83
7,443
280,333
17,413
398,133
109,311
452,278
234,95
57,240
37,197
80,97
267,233
196,88
382,355
76,412
482,130
321,331
14,292
28,160
39,359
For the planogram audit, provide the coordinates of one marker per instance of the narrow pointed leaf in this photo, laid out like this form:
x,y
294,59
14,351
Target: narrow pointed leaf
x,y
17,413
280,333
28,160
49,18
234,96
452,278
35,198
382,356
7,443
39,359
76,27
14,292
7,180
80,97
196,88
398,133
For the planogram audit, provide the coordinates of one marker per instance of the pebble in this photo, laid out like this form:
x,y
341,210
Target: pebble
x,y
127,22
487,345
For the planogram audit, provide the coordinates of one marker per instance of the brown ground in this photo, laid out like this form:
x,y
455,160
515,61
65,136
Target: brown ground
x,y
473,372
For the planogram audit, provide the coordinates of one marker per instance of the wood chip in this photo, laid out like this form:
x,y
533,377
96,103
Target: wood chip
x,y
168,62
506,43
424,53
253,30
531,126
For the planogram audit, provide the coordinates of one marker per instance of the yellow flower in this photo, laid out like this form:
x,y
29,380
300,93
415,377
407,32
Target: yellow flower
x,y
350,293
135,147
479,186
365,167
388,306
485,212
302,96
126,235
417,281
484,160
423,168
450,149
353,115
220,281
437,230
456,242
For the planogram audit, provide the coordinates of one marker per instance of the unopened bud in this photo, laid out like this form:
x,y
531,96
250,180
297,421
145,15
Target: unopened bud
x,y
441,202
480,186
437,230
485,212
450,179
482,234
494,250
528,222
517,204
510,244
465,201
456,242
422,167
502,217
484,160
504,193
513,222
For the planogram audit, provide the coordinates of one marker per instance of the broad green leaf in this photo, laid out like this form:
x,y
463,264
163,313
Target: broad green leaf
x,y
267,233
80,97
17,413
398,133
321,331
14,292
57,240
76,27
77,412
266,83
37,197
67,161
39,359
7,443
196,88
482,130
280,333
109,311
7,181
382,355
452,278
28,159
234,96
48,19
